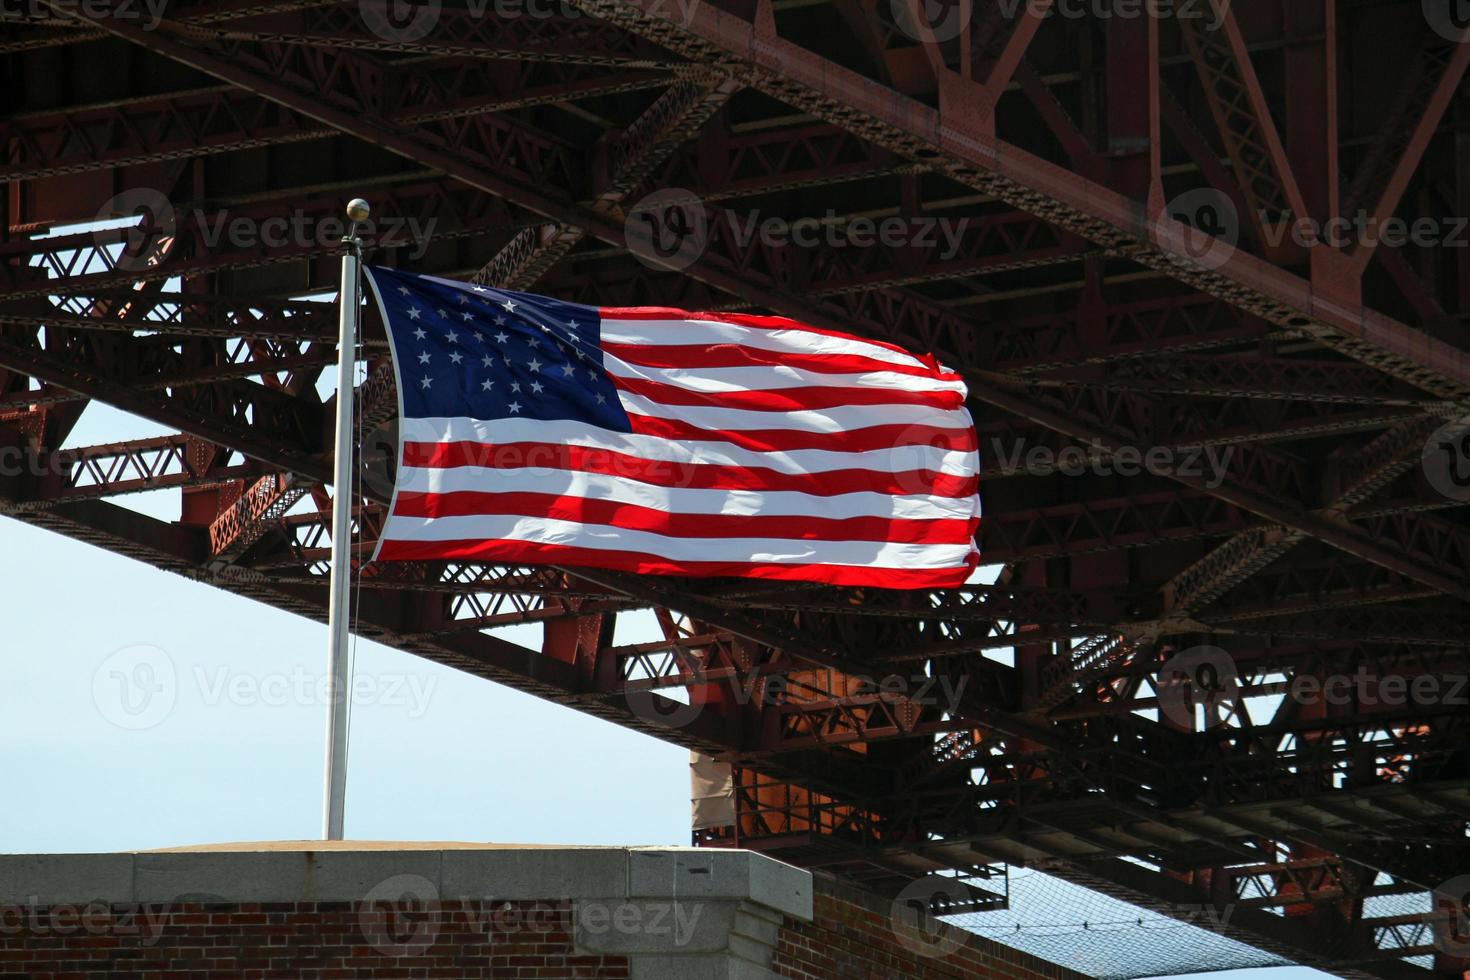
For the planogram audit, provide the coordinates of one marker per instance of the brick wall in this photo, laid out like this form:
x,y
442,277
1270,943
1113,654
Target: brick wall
x,y
343,910
312,940
852,936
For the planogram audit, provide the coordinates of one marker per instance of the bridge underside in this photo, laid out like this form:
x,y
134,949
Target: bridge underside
x,y
1200,425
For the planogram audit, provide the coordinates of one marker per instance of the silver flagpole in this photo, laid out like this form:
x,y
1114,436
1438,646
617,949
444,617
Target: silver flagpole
x,y
338,611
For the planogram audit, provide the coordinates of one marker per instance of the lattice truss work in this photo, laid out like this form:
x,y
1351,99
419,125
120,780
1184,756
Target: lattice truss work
x,y
1204,429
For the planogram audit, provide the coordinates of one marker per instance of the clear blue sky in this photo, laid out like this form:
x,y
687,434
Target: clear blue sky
x,y
435,754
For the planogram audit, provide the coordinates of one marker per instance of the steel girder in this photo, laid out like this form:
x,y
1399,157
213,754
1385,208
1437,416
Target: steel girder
x,y
1071,320
958,140
222,119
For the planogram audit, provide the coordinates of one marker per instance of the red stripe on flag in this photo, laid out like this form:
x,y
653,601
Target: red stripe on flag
x,y
546,455
736,355
787,399
758,321
631,561
784,440
631,517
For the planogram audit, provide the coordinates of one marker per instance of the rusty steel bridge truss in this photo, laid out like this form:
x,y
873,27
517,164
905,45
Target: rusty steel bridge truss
x,y
1099,311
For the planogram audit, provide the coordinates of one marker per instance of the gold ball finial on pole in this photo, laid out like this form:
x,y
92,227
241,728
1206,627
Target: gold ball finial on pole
x,y
357,212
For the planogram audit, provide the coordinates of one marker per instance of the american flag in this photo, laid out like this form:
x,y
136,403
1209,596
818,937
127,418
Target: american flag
x,y
660,441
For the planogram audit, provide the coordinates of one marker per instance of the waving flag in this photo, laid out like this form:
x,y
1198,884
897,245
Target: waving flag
x,y
659,441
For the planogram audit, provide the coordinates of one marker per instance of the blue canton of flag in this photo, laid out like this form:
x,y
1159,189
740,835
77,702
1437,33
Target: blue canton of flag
x,y
474,352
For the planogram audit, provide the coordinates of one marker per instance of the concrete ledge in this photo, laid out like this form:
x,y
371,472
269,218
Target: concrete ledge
x,y
350,872
47,879
717,873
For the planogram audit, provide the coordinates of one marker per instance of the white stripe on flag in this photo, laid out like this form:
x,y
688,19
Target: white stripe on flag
x,y
680,500
665,333
767,378
843,418
900,459
540,530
